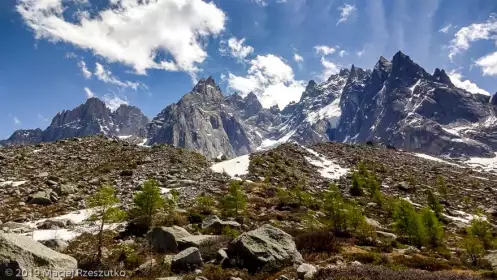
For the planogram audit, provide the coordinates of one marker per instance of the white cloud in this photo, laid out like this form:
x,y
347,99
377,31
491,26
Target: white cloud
x,y
133,32
271,79
446,28
343,53
345,12
330,68
261,3
457,79
106,76
297,57
474,32
235,48
324,50
16,120
89,93
86,73
113,101
488,64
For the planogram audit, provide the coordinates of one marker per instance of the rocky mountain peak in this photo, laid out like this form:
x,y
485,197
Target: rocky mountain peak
x,y
207,90
440,76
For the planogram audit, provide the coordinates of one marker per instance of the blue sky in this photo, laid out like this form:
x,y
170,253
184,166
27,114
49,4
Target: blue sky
x,y
56,53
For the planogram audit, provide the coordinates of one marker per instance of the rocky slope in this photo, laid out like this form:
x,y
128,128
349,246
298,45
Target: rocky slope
x,y
397,103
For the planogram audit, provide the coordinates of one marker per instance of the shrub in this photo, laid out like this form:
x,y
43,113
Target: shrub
x,y
235,202
481,229
148,202
474,249
204,204
295,197
434,203
409,224
422,262
434,230
317,242
358,184
443,190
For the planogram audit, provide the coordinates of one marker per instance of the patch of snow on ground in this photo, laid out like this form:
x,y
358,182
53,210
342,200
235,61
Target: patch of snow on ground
x,y
451,131
124,137
485,164
142,144
428,157
327,168
271,143
464,217
12,183
78,218
233,167
408,199
37,151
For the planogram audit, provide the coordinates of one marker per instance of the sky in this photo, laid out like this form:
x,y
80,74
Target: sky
x,y
54,54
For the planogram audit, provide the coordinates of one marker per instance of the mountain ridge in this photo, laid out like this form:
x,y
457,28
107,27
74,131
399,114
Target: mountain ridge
x,y
397,103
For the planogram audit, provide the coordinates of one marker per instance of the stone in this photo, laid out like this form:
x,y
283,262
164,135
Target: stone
x,y
21,252
386,234
126,173
213,224
187,260
165,239
306,271
54,224
65,189
491,257
404,186
56,244
146,267
42,198
264,247
194,241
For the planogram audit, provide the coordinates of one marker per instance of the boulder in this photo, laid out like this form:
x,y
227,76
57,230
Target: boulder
x,y
165,239
54,224
43,198
491,257
306,271
266,247
21,252
146,268
194,241
65,189
213,224
187,260
56,244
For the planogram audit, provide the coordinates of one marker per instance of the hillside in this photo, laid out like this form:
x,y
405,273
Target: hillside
x,y
288,187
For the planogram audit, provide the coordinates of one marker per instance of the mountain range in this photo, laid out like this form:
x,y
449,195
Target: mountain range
x,y
397,104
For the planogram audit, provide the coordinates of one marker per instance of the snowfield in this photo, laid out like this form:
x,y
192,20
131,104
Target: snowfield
x,y
327,168
233,167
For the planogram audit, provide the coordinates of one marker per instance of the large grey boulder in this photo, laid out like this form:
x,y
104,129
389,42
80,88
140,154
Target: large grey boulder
x,y
194,240
43,198
165,239
213,224
56,244
19,252
266,247
187,260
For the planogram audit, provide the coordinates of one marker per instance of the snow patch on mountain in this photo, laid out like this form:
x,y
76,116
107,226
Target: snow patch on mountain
x,y
235,167
327,168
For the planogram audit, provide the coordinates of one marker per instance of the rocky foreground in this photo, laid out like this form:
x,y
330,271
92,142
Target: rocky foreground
x,y
283,227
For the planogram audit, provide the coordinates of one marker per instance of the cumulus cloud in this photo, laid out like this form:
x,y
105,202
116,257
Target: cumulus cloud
x,y
446,28
271,79
89,93
113,101
235,48
457,80
106,76
474,32
84,70
159,34
488,64
330,68
324,50
345,12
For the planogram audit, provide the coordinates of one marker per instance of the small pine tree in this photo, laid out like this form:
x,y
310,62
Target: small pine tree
x,y
104,202
148,202
434,203
474,249
235,202
358,183
442,187
434,230
482,229
205,204
374,185
343,217
409,224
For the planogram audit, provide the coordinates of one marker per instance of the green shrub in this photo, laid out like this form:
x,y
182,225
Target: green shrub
x,y
294,197
434,230
409,224
316,242
481,229
235,202
474,249
358,184
434,203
